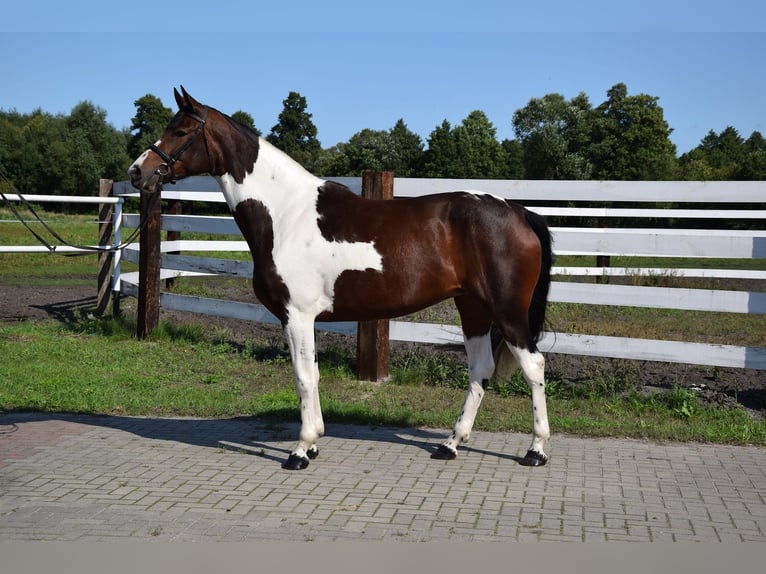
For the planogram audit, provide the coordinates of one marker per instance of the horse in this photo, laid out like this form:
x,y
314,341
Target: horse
x,y
322,253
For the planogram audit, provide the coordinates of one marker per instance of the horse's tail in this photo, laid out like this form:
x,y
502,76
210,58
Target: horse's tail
x,y
536,316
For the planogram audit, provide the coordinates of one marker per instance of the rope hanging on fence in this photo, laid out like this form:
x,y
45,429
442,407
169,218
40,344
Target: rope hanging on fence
x,y
89,249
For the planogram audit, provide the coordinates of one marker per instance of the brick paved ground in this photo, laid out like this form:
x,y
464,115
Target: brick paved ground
x,y
107,478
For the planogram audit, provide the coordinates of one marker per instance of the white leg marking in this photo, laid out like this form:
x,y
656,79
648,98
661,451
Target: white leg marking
x,y
480,367
300,338
533,367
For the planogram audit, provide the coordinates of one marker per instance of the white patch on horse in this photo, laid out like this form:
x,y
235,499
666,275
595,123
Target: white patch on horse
x,y
481,364
533,367
477,193
142,158
308,263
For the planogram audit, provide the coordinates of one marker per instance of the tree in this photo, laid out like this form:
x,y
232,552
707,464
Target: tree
x,y
408,150
61,154
25,154
148,124
398,150
554,136
514,159
470,150
295,132
630,139
754,165
332,162
246,120
441,151
726,156
105,145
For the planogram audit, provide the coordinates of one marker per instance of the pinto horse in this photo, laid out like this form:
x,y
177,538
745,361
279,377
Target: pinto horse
x,y
321,253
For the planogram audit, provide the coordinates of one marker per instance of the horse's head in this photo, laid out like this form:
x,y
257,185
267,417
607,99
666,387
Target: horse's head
x,y
181,151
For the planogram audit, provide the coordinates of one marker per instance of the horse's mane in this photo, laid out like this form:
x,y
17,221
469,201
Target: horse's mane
x,y
242,128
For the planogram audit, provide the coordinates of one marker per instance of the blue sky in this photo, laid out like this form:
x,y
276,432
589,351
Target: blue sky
x,y
367,64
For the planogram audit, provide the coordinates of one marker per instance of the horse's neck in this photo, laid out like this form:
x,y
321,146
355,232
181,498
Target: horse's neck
x,y
276,180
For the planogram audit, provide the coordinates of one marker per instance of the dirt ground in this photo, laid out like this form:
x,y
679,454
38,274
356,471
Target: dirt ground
x,y
725,386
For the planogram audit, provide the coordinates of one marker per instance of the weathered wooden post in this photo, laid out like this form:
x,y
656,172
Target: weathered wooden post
x,y
149,265
105,258
372,336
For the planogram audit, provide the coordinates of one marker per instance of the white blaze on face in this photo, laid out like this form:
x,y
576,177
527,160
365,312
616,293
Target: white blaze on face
x,y
142,158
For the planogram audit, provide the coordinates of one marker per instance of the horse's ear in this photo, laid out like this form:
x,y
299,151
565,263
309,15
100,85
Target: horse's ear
x,y
191,102
179,99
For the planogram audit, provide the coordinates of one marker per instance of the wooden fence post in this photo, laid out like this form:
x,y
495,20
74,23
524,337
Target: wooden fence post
x,y
149,265
372,336
105,231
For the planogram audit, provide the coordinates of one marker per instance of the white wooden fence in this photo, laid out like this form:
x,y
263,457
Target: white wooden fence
x,y
673,242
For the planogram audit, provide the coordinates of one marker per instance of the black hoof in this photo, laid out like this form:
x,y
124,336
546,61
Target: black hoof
x,y
295,462
534,458
312,453
444,453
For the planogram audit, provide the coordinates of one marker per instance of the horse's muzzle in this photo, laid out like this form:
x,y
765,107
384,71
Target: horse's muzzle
x,y
140,182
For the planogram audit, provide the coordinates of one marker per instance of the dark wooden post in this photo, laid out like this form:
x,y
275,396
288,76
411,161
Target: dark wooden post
x,y
372,336
149,265
105,231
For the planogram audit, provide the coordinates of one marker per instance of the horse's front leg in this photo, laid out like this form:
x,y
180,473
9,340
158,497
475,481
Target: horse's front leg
x,y
300,338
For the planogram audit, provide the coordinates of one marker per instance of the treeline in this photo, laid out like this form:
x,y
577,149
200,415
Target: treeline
x,y
623,138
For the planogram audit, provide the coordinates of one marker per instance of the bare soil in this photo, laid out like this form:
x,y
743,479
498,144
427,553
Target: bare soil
x,y
723,386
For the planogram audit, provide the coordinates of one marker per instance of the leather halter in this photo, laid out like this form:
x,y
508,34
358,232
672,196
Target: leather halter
x,y
169,166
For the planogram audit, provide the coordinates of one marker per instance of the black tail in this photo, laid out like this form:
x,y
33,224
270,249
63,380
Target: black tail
x,y
540,295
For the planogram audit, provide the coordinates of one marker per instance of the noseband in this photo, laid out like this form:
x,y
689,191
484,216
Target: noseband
x,y
169,166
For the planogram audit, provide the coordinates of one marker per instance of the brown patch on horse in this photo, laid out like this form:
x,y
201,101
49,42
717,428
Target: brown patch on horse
x,y
257,227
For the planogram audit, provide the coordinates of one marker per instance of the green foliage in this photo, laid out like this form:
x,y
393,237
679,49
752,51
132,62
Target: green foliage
x,y
470,150
295,132
554,136
398,150
246,120
624,138
630,139
148,124
726,156
65,155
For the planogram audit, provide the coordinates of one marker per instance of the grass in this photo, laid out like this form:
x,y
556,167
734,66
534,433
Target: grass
x,y
97,366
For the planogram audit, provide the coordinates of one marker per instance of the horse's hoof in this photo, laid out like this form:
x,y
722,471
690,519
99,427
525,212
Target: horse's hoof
x,y
295,462
444,453
534,458
312,453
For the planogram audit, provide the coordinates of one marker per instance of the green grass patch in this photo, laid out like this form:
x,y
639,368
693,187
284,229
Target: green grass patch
x,y
97,366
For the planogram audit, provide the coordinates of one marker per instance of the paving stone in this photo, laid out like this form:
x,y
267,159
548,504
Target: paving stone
x,y
89,478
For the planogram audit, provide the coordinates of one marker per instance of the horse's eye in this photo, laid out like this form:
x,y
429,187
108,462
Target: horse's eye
x,y
180,133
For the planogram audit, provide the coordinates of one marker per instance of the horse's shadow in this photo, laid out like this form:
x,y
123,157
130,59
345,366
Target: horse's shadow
x,y
262,436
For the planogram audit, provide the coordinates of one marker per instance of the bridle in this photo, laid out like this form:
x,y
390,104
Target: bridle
x,y
169,166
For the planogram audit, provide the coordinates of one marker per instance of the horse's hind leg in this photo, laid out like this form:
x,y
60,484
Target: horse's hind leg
x,y
480,367
532,364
